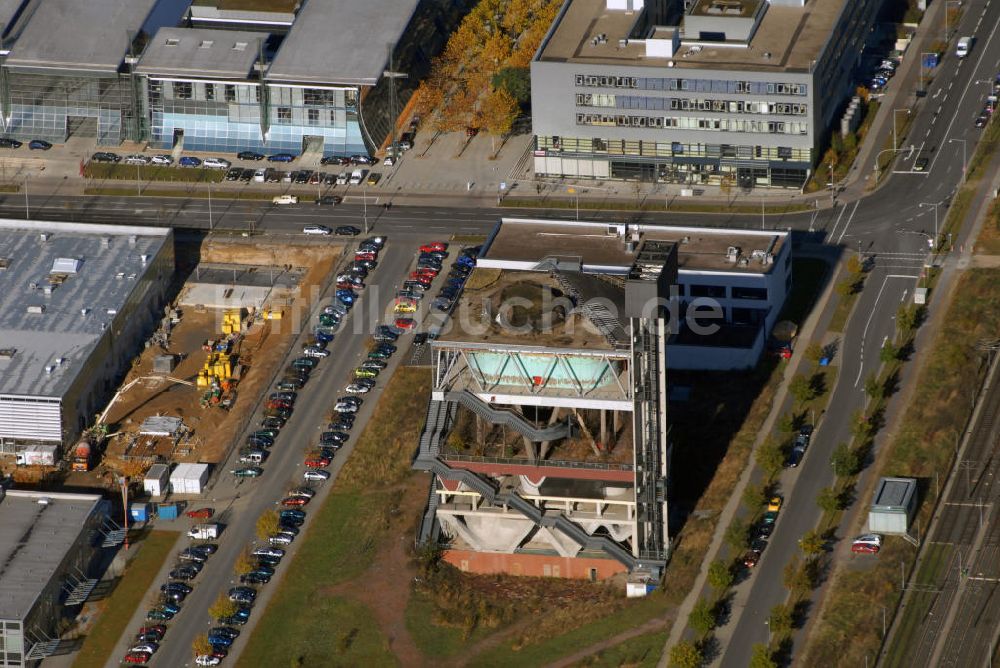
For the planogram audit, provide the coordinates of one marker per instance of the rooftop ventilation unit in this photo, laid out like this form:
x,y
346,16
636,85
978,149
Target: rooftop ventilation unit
x,y
65,265
132,239
4,263
7,353
144,258
733,253
36,308
105,242
43,237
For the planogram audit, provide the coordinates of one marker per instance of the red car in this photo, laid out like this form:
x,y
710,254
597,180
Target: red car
x,y
200,513
157,629
138,657
864,548
422,276
434,246
276,404
317,462
405,323
293,501
364,255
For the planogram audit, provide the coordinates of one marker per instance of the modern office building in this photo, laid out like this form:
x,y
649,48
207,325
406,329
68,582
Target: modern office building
x,y
49,544
742,90
301,77
77,301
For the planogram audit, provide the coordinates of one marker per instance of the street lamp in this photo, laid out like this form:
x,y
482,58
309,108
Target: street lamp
x,y
935,205
572,191
946,5
895,143
964,145
364,191
209,206
26,216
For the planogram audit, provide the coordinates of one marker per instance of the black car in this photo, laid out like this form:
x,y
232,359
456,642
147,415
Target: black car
x,y
179,586
207,549
420,339
100,156
272,423
333,437
233,174
183,573
301,176
246,176
254,577
249,155
39,145
361,160
335,160
795,456
347,231
328,200
7,142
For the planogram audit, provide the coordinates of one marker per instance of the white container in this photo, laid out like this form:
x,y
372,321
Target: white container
x,y
157,480
189,478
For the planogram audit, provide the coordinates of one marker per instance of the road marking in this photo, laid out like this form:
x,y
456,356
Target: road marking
x,y
834,230
849,219
864,334
905,292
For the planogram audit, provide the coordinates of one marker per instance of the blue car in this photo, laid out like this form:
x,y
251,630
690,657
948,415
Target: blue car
x,y
325,337
293,513
189,161
281,157
39,145
347,305
346,296
222,641
465,261
171,607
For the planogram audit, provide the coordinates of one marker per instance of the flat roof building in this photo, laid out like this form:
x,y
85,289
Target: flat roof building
x,y
893,506
744,90
76,301
48,543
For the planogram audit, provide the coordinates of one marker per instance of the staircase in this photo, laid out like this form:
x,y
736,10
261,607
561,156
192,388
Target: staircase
x,y
439,417
509,418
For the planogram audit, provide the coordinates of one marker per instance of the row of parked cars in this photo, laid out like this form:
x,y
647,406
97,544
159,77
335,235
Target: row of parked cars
x,y
34,144
881,73
164,160
989,105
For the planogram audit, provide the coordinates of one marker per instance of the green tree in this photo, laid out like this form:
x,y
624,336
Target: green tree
x,y
801,388
828,500
267,525
812,544
800,577
738,534
844,460
780,620
685,655
760,657
222,607
873,388
770,458
754,497
854,266
786,423
889,353
861,426
906,318
702,618
516,81
720,576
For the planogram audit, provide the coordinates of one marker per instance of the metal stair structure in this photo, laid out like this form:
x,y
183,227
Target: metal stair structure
x,y
510,418
439,418
78,589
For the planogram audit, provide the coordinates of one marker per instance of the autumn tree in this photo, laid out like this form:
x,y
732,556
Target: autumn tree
x,y
702,618
222,607
499,111
720,576
780,620
244,562
812,544
760,657
267,525
685,655
200,645
828,500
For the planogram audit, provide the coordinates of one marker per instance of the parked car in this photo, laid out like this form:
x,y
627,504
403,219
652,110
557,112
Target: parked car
x,y
207,660
189,161
7,142
248,472
201,513
100,156
795,456
138,657
39,145
281,157
316,475
162,160
249,155
294,501
253,577
867,544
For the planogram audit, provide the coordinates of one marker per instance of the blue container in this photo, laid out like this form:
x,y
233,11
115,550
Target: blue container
x,y
167,511
139,512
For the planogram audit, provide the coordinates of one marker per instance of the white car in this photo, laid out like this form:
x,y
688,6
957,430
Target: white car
x,y
312,229
165,160
207,660
284,538
136,159
357,388
148,647
313,474
217,163
344,407
259,176
313,351
389,161
285,199
342,178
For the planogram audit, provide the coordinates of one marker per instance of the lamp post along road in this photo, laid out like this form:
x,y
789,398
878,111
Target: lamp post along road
x,y
964,166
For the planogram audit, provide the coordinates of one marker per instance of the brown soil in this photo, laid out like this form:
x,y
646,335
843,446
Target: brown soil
x,y
261,350
385,587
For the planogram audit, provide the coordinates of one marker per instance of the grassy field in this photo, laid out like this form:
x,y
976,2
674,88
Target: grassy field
x,y
433,639
153,549
989,239
123,191
305,622
119,172
639,652
850,622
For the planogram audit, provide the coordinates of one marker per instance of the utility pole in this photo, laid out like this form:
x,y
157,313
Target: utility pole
x,y
26,212
209,206
392,75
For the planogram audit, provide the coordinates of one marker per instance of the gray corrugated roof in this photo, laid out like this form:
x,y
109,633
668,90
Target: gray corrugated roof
x,y
91,35
62,331
894,493
34,539
201,53
341,41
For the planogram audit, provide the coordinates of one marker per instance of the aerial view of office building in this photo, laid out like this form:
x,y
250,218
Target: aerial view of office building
x,y
744,90
76,303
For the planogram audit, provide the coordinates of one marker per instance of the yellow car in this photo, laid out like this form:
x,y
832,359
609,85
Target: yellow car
x,y
365,373
405,307
774,505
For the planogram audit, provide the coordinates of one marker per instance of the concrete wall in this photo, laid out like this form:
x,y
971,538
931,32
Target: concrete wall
x,y
534,565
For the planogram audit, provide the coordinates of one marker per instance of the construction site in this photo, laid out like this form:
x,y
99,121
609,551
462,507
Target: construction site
x,y
547,429
217,348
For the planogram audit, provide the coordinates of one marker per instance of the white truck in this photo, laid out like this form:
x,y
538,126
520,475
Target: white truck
x,y
204,531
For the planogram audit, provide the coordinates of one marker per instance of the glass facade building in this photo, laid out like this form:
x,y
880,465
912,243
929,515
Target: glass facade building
x,y
243,115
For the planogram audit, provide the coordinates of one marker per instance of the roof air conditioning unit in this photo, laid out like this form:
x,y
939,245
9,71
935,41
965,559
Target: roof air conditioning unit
x,y
36,308
43,237
132,240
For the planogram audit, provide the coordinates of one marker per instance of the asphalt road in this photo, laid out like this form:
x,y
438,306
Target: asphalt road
x,y
241,502
889,228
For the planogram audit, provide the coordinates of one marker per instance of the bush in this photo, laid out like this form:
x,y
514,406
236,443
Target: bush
x,y
828,500
702,618
685,655
720,576
738,534
760,657
222,607
267,525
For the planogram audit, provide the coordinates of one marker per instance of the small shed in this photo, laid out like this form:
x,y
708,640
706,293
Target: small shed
x,y
893,506
189,478
167,511
156,480
164,363
139,512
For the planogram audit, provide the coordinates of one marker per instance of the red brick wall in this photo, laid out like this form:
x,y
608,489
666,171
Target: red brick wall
x,y
538,565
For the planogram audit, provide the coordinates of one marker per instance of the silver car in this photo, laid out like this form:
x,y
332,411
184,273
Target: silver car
x,y
314,351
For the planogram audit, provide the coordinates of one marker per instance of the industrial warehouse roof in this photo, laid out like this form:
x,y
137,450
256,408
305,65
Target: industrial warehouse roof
x,y
34,540
69,34
341,41
45,340
521,243
182,52
787,38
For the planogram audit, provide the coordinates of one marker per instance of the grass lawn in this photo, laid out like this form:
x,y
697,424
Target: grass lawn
x,y
96,170
305,624
434,639
989,239
641,652
153,550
